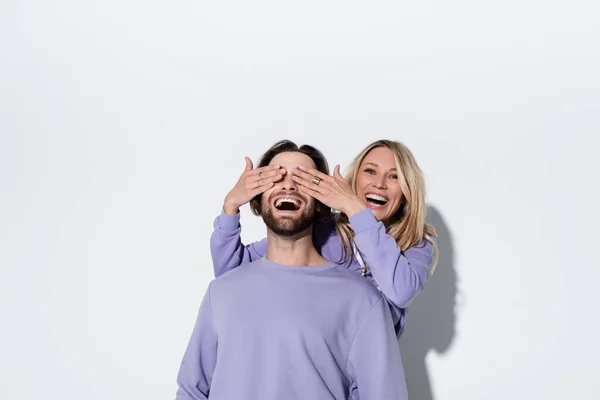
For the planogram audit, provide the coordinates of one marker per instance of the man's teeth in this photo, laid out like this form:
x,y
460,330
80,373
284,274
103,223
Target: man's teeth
x,y
293,201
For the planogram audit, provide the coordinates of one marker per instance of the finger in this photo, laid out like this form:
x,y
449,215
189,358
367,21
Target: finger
x,y
267,181
307,178
312,193
248,164
261,171
336,172
253,184
323,198
314,172
261,188
268,167
270,173
310,184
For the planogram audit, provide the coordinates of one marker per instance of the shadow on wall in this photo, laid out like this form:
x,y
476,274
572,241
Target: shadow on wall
x,y
430,318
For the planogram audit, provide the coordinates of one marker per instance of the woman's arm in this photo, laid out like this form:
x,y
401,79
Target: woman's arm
x,y
226,247
399,275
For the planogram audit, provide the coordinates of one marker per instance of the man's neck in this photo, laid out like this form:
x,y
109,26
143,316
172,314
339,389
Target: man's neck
x,y
297,251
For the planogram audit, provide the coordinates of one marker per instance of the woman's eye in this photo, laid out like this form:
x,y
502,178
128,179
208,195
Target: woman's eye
x,y
369,171
394,176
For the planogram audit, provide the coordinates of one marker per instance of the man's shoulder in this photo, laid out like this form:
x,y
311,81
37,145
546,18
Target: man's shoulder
x,y
238,273
356,297
358,286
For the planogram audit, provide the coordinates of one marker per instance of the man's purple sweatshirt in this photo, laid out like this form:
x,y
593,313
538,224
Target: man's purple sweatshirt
x,y
267,331
400,275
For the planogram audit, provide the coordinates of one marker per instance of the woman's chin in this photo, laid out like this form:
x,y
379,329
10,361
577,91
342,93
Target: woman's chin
x,y
378,213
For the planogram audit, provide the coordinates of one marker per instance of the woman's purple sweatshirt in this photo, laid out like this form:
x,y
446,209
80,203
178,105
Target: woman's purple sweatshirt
x,y
399,275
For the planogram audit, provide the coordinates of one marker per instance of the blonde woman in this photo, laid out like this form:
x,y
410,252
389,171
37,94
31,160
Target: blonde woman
x,y
380,229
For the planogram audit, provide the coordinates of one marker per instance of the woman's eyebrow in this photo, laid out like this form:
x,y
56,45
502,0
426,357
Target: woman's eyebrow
x,y
375,165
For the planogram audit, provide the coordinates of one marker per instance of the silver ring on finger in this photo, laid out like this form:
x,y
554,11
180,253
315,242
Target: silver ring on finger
x,y
316,180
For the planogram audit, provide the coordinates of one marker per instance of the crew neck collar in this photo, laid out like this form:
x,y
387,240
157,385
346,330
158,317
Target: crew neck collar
x,y
296,269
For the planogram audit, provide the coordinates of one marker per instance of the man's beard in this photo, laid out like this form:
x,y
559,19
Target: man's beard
x,y
288,226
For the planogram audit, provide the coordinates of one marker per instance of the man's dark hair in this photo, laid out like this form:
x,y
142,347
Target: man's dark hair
x,y
284,146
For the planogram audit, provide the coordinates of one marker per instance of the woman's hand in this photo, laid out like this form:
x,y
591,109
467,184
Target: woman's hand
x,y
333,191
252,182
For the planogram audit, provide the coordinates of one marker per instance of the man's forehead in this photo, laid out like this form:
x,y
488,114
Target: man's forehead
x,y
291,159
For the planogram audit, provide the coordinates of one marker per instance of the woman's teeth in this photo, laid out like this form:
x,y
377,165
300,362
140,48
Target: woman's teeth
x,y
376,200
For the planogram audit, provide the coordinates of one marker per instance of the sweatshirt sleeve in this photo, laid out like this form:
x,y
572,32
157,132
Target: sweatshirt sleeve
x,y
400,276
198,364
226,247
374,362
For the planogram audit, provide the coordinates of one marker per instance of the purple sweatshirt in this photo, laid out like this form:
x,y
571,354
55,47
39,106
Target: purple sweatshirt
x,y
267,331
399,275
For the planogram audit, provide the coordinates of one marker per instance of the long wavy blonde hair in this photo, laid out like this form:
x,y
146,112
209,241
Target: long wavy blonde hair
x,y
408,225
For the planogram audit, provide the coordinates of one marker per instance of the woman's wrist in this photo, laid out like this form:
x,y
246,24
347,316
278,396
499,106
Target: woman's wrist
x,y
230,207
354,207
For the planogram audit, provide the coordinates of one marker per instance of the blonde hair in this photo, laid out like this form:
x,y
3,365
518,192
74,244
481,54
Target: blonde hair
x,y
407,226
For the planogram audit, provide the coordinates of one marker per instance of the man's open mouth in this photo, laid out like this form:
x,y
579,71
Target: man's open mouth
x,y
287,204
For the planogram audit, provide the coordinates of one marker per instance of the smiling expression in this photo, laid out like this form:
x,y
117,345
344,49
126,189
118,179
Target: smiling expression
x,y
286,210
377,184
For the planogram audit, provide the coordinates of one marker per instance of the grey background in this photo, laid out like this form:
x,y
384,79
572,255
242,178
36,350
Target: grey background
x,y
124,124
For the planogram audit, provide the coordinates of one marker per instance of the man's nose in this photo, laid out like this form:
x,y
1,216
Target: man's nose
x,y
288,183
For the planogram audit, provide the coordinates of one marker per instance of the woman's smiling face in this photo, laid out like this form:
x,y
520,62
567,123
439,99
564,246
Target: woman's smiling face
x,y
377,184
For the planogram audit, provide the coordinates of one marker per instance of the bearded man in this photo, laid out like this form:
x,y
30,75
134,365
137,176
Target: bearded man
x,y
291,325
